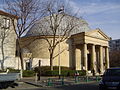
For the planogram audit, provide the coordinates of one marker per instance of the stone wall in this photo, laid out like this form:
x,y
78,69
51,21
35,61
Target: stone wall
x,y
39,50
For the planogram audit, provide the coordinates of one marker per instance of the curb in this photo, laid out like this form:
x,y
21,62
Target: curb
x,y
38,85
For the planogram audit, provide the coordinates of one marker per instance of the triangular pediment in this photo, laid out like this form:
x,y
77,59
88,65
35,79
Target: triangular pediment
x,y
97,34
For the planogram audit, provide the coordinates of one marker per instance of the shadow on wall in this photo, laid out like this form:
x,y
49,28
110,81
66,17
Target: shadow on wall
x,y
3,61
71,54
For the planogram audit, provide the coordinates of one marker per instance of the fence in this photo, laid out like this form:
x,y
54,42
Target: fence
x,y
67,81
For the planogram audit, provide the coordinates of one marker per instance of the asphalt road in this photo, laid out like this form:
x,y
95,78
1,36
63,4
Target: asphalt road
x,y
87,86
90,86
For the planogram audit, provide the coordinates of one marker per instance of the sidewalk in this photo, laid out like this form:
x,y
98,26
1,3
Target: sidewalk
x,y
32,81
55,81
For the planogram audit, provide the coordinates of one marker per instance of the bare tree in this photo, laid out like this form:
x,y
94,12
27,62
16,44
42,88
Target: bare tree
x,y
55,23
4,33
27,12
115,58
56,26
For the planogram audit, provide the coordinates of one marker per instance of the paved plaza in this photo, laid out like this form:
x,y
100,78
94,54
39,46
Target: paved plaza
x,y
54,83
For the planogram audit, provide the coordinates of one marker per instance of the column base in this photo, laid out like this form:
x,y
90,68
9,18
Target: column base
x,y
97,74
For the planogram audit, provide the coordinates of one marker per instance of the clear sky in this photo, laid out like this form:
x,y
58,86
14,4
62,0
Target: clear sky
x,y
103,14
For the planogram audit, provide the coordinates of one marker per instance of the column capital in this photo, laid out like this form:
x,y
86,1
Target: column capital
x,y
91,44
98,45
85,43
101,46
106,46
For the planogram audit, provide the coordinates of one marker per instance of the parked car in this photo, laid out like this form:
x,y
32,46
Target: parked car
x,y
110,79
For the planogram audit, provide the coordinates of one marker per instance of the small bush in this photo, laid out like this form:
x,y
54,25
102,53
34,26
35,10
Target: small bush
x,y
64,73
62,68
28,73
11,70
43,69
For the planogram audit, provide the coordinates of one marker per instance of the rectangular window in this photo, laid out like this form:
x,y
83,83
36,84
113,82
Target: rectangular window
x,y
6,23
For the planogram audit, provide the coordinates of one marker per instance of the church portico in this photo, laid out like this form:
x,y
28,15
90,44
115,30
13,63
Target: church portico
x,y
91,53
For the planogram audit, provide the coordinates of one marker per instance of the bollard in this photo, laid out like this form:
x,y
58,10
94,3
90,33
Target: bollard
x,y
97,78
79,79
36,77
62,81
87,79
49,82
76,79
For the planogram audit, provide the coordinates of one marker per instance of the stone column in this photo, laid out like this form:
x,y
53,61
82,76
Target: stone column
x,y
85,56
77,59
107,57
101,59
93,58
73,65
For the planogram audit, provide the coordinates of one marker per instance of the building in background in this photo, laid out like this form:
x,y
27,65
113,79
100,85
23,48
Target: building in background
x,y
114,44
114,53
8,36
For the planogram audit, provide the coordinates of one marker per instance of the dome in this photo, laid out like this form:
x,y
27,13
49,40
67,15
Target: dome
x,y
42,27
25,50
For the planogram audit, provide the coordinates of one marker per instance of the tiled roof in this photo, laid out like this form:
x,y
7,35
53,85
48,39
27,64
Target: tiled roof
x,y
36,30
8,14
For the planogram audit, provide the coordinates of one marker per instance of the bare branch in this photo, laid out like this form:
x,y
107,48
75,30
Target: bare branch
x,y
28,12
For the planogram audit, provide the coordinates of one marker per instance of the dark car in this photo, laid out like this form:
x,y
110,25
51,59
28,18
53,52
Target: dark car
x,y
110,79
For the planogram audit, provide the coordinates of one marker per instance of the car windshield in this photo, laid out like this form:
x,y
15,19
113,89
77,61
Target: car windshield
x,y
112,72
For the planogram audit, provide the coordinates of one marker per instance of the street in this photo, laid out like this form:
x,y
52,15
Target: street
x,y
92,86
84,86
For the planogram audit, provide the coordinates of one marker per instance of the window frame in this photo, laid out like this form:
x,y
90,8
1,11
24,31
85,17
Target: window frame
x,y
6,23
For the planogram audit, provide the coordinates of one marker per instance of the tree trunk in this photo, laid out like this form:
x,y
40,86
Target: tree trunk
x,y
51,61
2,65
20,54
3,56
21,59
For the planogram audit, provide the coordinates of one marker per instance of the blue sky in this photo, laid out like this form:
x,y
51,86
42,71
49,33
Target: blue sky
x,y
103,14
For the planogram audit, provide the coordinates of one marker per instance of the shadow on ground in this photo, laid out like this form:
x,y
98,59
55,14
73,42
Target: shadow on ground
x,y
79,87
5,85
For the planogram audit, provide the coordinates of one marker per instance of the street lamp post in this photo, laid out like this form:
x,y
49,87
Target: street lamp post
x,y
59,56
61,10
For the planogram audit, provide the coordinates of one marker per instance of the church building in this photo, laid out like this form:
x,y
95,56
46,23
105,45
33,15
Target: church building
x,y
85,49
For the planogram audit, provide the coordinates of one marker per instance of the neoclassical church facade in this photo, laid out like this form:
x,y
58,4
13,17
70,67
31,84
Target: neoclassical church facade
x,y
85,49
81,52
